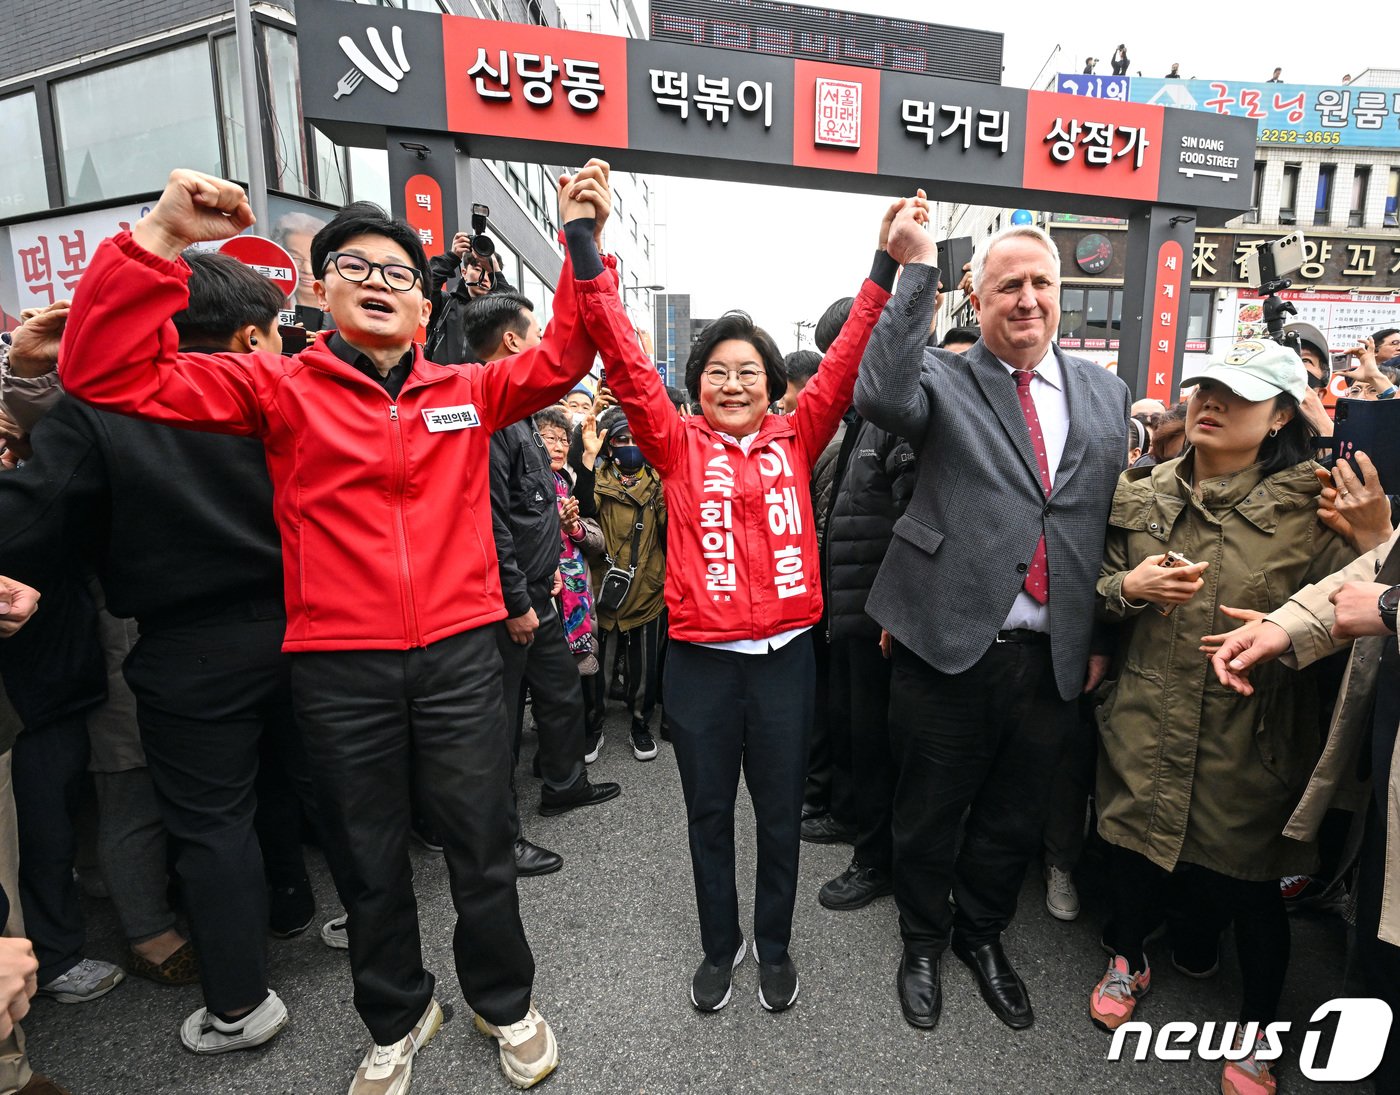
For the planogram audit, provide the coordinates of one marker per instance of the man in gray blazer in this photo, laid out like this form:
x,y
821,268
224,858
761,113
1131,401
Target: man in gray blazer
x,y
987,593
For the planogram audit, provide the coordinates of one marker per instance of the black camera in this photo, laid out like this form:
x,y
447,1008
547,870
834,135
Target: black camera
x,y
482,245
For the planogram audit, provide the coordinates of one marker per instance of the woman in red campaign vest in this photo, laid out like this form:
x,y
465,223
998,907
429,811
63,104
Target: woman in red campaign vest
x,y
742,586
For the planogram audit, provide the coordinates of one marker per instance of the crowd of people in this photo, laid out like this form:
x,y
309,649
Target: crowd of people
x,y
938,597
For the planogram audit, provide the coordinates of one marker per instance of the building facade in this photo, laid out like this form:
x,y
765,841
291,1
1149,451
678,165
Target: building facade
x,y
102,102
1331,180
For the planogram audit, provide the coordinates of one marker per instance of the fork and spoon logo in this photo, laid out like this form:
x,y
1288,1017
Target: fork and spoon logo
x,y
387,74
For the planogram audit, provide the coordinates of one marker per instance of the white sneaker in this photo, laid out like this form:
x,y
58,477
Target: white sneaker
x,y
1061,898
388,1070
206,1033
528,1050
88,980
334,935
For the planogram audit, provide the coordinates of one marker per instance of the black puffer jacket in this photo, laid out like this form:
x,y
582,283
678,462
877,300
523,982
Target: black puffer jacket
x,y
874,481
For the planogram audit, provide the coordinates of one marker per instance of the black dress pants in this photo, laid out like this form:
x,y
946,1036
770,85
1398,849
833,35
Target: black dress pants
x,y
48,766
547,666
730,710
373,721
211,697
828,789
987,739
871,761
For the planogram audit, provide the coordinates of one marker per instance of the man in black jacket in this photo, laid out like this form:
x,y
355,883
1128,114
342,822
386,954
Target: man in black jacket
x,y
181,530
459,278
525,516
873,482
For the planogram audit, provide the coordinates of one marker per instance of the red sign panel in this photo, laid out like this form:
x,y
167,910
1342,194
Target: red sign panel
x,y
538,83
267,258
422,201
836,117
1100,148
1162,325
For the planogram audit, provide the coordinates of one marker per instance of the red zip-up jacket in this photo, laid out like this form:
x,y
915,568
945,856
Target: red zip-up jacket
x,y
741,546
383,506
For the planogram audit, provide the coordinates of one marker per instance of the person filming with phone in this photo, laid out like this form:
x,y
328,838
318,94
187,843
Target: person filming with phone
x,y
1192,779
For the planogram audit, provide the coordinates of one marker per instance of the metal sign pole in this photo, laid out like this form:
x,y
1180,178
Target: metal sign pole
x,y
252,111
1156,292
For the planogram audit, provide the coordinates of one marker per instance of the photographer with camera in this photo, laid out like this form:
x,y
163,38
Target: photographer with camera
x,y
469,271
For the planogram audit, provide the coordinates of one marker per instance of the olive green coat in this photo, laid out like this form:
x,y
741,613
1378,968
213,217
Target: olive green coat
x,y
619,507
1190,771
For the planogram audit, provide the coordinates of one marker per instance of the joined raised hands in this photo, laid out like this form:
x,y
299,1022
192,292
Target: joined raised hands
x,y
904,231
588,193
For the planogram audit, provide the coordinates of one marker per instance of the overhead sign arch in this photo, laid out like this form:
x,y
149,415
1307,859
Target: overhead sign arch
x,y
422,84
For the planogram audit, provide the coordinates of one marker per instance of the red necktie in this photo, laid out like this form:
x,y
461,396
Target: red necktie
x,y
1038,577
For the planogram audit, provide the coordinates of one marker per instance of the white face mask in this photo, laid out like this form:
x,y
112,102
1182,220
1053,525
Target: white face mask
x,y
577,418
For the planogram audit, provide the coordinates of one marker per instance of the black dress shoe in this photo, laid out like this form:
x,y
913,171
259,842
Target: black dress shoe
x,y
825,829
531,859
920,990
581,793
855,888
1001,985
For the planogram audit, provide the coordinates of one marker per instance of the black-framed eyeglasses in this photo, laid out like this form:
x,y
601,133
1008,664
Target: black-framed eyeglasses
x,y
396,276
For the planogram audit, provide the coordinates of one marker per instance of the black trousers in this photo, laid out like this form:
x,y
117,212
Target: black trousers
x,y
872,768
373,721
729,710
982,741
48,766
556,699
639,650
828,789
1140,896
212,698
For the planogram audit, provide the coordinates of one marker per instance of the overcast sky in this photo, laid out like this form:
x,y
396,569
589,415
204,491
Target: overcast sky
x,y
785,254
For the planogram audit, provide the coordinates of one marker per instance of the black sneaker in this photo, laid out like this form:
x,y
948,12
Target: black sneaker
x,y
643,744
290,909
855,888
711,986
592,745
825,829
777,984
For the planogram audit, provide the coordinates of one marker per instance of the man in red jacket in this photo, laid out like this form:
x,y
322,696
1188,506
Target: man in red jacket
x,y
378,460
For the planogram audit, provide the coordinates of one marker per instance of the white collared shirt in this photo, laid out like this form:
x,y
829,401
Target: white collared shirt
x,y
772,642
1052,408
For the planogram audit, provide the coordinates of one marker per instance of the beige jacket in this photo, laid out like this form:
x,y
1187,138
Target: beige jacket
x,y
1307,617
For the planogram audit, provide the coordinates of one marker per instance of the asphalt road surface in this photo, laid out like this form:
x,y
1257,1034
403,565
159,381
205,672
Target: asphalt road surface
x,y
615,941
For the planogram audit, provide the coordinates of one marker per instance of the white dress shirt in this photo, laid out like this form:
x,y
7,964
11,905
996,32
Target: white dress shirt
x,y
1052,408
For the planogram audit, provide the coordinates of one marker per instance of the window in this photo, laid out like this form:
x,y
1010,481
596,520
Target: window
x,y
1392,199
287,166
1071,317
22,187
111,143
1360,183
332,169
1098,328
231,107
1288,194
1198,320
1326,180
369,176
1252,217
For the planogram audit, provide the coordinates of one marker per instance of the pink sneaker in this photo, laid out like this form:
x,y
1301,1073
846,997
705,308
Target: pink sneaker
x,y
1248,1076
1112,1002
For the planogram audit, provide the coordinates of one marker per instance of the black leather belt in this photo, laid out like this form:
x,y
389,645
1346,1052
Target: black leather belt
x,y
1022,635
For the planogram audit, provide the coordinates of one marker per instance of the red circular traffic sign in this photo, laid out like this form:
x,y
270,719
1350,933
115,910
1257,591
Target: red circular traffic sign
x,y
267,258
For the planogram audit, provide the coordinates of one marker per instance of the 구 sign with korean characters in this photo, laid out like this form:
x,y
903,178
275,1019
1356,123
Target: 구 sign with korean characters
x,y
518,91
